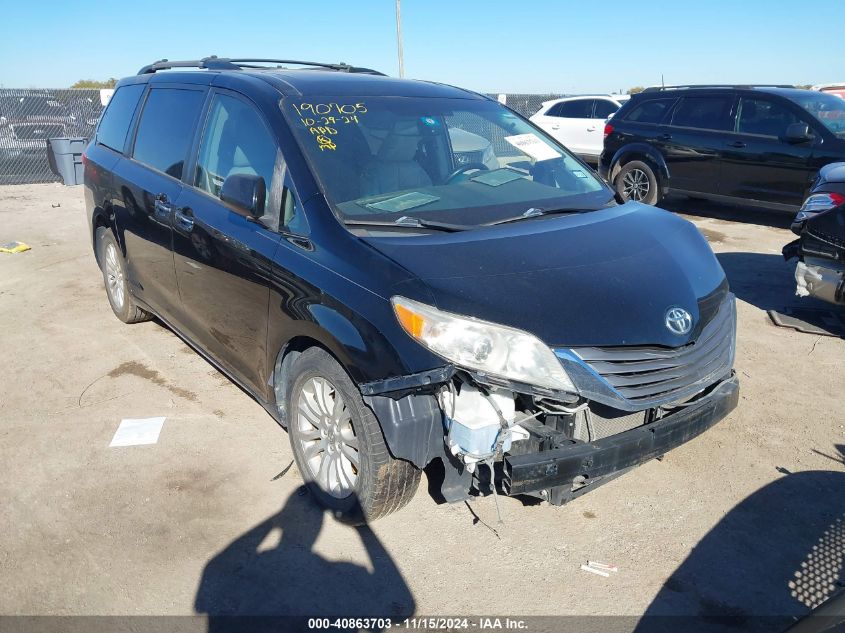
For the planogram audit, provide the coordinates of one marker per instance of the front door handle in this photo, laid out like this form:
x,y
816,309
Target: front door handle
x,y
666,136
592,128
737,144
555,126
185,218
162,205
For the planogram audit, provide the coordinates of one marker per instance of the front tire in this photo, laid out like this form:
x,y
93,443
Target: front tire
x,y
338,444
113,267
636,181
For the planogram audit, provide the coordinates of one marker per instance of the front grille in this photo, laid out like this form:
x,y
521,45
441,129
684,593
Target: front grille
x,y
38,131
646,375
591,425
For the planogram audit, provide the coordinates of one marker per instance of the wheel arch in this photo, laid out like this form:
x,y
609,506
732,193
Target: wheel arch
x,y
645,153
100,218
281,373
363,354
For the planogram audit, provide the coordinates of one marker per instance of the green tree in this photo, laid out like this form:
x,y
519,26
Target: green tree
x,y
93,83
635,90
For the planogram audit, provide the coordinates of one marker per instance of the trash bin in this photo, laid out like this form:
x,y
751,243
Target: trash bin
x,y
65,158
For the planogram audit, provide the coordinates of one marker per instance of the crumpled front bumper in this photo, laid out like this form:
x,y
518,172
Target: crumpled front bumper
x,y
585,463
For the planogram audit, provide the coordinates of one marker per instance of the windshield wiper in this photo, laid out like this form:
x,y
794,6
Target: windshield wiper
x,y
536,212
416,223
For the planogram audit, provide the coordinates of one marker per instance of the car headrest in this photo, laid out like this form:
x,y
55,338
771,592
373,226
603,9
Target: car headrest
x,y
401,143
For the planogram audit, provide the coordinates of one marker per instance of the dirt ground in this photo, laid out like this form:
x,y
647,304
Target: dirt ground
x,y
746,520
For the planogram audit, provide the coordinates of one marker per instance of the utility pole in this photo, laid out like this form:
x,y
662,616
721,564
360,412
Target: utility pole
x,y
399,38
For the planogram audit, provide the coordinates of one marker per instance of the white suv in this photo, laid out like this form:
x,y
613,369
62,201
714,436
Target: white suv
x,y
578,122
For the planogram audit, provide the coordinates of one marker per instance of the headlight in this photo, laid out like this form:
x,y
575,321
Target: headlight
x,y
479,345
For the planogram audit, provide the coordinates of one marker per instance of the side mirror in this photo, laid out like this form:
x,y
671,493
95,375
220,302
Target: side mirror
x,y
246,193
797,133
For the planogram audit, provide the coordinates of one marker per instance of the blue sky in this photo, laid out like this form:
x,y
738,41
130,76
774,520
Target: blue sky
x,y
485,45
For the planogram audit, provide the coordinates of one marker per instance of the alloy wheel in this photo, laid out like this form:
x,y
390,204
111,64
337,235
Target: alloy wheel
x,y
114,277
326,438
635,185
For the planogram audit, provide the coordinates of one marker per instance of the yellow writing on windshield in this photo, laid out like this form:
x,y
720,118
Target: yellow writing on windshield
x,y
324,109
324,142
325,120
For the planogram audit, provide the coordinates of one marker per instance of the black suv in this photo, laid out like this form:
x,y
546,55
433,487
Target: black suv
x,y
761,145
321,236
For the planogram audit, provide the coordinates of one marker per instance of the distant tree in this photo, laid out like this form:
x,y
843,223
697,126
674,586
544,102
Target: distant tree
x,y
635,90
804,86
93,83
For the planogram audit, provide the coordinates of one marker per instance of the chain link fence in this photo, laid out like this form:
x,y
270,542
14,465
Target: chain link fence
x,y
29,117
525,104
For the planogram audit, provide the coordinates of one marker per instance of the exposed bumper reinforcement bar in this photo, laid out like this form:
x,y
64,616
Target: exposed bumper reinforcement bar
x,y
596,460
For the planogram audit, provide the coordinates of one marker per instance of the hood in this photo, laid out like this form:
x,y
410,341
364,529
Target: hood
x,y
601,278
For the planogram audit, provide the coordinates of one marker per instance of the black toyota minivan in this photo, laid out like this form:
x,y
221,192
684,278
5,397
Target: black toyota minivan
x,y
403,272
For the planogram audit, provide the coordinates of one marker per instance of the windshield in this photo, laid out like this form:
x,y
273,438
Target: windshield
x,y
827,108
462,161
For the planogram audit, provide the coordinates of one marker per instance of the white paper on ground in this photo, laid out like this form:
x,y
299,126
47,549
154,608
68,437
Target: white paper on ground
x,y
133,432
532,145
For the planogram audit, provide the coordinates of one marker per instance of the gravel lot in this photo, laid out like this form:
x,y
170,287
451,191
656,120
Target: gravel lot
x,y
200,522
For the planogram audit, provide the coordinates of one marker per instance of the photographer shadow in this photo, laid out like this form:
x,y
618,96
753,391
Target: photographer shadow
x,y
261,582
770,560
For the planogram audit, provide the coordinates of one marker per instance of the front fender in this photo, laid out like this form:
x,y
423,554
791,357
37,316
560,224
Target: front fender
x,y
371,347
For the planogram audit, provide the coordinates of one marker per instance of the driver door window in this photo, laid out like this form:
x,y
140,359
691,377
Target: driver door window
x,y
604,109
235,141
764,117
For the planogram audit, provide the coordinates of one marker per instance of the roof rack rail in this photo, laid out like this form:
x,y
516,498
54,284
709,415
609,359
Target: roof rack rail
x,y
225,63
688,86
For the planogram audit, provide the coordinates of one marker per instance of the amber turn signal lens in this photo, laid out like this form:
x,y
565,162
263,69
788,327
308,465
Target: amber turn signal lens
x,y
411,321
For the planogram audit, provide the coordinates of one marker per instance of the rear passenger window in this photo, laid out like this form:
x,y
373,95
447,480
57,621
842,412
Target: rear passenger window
x,y
118,115
578,109
554,110
604,108
235,141
650,111
761,116
706,113
167,128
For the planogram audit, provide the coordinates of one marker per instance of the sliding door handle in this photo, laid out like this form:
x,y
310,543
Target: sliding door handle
x,y
184,218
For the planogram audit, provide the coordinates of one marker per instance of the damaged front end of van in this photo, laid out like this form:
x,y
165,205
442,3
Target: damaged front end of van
x,y
645,370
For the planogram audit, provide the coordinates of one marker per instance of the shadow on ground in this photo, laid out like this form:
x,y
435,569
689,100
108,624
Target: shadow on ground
x,y
727,212
272,570
768,561
764,280
767,281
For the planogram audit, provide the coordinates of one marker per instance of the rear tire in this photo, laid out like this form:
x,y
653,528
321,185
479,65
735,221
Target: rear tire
x,y
338,444
636,181
113,267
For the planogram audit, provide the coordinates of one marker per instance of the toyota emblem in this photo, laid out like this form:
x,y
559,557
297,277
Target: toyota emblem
x,y
678,321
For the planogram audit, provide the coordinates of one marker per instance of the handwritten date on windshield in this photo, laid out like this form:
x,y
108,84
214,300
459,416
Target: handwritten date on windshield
x,y
324,120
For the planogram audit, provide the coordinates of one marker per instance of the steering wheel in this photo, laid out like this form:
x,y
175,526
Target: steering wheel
x,y
465,168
